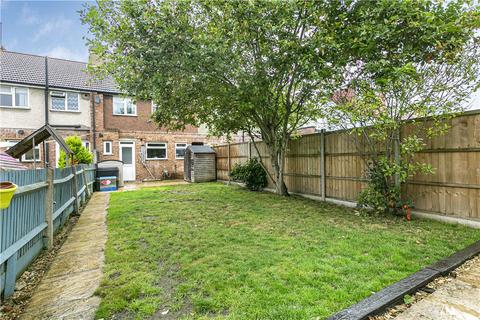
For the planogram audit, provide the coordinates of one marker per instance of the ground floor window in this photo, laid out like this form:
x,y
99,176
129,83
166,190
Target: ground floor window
x,y
180,150
156,151
29,156
107,147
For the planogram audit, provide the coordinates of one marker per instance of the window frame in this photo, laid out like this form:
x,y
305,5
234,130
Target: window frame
x,y
109,142
124,101
65,104
23,158
14,100
156,147
176,145
86,145
154,107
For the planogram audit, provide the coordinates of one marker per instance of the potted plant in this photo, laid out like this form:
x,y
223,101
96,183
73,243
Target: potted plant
x,y
7,189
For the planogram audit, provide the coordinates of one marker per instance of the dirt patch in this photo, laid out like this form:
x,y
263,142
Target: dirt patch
x,y
429,288
13,307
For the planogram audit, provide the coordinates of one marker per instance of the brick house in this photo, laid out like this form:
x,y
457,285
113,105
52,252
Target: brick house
x,y
109,124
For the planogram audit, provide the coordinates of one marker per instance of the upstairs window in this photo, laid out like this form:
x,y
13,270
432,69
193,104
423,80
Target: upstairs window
x,y
154,107
65,101
13,97
156,151
180,150
124,107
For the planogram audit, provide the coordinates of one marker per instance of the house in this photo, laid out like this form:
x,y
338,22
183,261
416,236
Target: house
x,y
37,90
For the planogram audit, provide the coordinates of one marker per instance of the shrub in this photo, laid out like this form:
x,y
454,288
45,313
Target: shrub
x,y
80,153
251,173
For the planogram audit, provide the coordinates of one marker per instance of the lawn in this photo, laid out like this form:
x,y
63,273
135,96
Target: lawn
x,y
208,250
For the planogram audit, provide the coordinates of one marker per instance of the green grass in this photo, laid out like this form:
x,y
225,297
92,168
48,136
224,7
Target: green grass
x,y
209,250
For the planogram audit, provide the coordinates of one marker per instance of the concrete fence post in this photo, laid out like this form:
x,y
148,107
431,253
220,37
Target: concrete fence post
x,y
322,164
49,207
229,164
85,181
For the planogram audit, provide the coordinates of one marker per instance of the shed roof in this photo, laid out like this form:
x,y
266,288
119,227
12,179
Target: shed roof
x,y
37,137
201,149
29,69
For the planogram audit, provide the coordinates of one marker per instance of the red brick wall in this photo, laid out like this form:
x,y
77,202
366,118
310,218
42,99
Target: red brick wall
x,y
140,122
156,167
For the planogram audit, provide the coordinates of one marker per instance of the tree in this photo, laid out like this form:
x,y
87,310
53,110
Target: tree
x,y
80,153
421,73
261,67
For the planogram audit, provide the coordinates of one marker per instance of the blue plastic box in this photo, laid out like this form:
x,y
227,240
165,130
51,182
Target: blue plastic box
x,y
107,183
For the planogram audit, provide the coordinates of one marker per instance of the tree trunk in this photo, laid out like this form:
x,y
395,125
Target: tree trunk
x,y
278,159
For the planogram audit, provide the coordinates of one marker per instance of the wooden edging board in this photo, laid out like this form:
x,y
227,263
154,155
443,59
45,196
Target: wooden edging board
x,y
379,302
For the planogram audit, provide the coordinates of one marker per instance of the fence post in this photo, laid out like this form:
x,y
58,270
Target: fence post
x,y
249,150
87,191
322,164
49,210
229,166
10,275
75,190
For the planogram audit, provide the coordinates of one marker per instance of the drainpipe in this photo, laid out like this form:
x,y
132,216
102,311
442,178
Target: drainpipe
x,y
94,127
45,145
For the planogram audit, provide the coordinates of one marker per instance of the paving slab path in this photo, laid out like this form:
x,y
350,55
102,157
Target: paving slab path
x,y
67,289
455,299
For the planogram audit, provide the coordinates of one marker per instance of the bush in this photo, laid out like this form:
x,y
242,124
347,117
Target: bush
x,y
381,194
251,173
80,153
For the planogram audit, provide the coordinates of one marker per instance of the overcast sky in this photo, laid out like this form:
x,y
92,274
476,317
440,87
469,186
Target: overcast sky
x,y
53,28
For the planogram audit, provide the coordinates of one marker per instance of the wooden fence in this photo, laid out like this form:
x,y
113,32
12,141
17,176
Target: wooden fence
x,y
338,169
44,200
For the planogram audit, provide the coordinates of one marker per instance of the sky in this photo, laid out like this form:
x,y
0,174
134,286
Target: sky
x,y
53,28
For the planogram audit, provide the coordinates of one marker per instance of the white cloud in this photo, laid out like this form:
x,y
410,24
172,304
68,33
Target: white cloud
x,y
66,53
58,26
28,16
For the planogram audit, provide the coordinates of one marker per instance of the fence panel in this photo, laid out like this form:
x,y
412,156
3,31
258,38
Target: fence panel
x,y
454,189
23,223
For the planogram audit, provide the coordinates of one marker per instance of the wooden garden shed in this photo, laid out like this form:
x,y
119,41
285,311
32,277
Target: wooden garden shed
x,y
199,164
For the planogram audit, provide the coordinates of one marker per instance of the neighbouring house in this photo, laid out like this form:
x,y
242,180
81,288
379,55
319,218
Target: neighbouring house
x,y
37,90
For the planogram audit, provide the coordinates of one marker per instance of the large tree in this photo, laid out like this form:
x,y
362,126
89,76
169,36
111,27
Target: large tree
x,y
261,67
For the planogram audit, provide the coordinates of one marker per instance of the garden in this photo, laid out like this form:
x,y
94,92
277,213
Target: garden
x,y
212,250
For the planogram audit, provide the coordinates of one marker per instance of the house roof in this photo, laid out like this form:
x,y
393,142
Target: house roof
x,y
201,149
29,69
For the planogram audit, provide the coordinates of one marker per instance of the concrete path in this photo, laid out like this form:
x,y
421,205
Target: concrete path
x,y
67,290
455,299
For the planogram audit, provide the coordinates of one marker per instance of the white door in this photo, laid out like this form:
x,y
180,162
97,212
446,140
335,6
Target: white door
x,y
127,155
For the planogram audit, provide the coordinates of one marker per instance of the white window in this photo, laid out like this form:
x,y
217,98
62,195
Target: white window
x,y
180,150
124,106
64,101
156,151
107,147
13,97
86,144
154,107
28,157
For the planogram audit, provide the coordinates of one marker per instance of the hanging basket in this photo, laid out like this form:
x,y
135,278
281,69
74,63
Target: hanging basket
x,y
7,189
